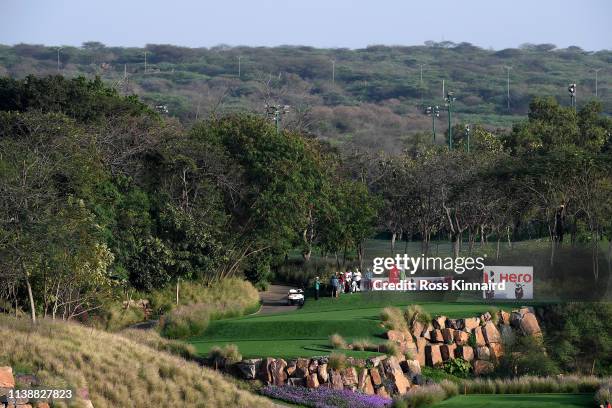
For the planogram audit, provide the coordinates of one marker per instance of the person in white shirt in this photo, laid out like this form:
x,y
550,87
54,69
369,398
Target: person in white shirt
x,y
357,279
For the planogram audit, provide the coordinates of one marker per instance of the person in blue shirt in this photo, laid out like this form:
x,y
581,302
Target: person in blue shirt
x,y
334,285
317,286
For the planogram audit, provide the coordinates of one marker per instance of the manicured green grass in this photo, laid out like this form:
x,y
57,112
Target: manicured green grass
x,y
305,332
519,401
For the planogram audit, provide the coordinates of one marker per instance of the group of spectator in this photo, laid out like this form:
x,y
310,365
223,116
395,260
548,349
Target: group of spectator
x,y
345,282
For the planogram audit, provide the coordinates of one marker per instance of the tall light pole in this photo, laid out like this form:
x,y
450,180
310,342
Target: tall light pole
x,y
333,71
596,71
449,102
467,133
145,53
239,58
434,112
275,112
421,83
508,68
572,92
58,58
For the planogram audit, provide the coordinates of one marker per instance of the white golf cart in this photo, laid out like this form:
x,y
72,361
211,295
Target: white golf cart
x,y
295,297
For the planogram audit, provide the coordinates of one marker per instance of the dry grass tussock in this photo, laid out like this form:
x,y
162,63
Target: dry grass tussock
x,y
117,371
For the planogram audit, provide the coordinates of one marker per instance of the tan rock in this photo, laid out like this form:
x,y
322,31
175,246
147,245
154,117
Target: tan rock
x,y
394,373
448,335
490,333
480,340
464,352
448,351
312,381
529,325
395,335
439,322
322,373
412,367
496,350
460,337
482,367
470,323
483,353
277,369
427,332
264,373
382,392
504,317
432,355
417,328
368,388
42,405
376,378
7,380
349,376
436,336
301,368
291,367
336,380
87,404
312,367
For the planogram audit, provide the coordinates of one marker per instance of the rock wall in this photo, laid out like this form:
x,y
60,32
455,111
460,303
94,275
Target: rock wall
x,y
475,339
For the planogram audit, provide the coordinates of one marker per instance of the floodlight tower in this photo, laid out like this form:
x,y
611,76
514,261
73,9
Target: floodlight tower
x,y
449,103
434,112
467,134
58,58
596,71
275,112
572,92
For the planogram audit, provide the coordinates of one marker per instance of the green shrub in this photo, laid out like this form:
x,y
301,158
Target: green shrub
x,y
392,349
116,317
604,393
227,354
185,321
418,397
494,312
457,367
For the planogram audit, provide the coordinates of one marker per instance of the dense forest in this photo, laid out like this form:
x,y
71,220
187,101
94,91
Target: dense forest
x,y
99,193
370,98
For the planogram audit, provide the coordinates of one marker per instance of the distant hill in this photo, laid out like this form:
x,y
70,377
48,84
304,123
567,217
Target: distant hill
x,y
369,97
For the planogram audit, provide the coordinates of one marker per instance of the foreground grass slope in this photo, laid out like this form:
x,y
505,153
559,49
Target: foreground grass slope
x,y
305,332
117,371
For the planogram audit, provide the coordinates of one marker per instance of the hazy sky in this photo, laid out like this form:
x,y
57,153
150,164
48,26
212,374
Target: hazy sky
x,y
321,23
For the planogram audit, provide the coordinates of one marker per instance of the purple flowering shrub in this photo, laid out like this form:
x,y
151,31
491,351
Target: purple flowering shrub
x,y
324,397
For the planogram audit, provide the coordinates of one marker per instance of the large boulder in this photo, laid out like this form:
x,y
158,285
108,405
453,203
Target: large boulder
x,y
382,392
469,323
291,367
394,373
277,368
417,328
464,352
480,340
432,355
421,343
301,368
436,336
448,351
452,323
6,377
396,336
248,368
490,333
349,376
312,381
368,388
264,373
439,322
529,325
411,367
312,367
504,317
482,367
296,382
448,335
496,350
460,337
336,380
427,332
483,353
376,377
322,373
